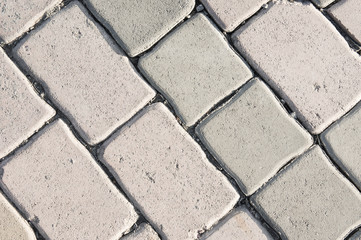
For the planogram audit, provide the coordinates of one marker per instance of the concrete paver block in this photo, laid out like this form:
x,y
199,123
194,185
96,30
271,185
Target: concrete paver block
x,y
168,175
61,188
356,236
253,136
143,232
194,67
138,24
18,17
303,57
84,72
310,199
12,225
231,13
322,3
348,15
22,112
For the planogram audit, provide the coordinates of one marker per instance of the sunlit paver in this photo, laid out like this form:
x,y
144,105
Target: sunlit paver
x,y
143,232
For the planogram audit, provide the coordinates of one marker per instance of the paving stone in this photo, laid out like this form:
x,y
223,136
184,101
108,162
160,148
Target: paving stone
x,y
231,13
12,225
84,72
356,236
168,174
303,57
22,112
18,17
194,67
322,3
347,14
143,232
253,136
310,199
64,191
239,225
137,25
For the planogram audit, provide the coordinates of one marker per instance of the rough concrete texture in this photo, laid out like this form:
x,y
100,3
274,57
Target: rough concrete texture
x,y
310,199
346,14
16,17
194,67
305,59
143,232
239,225
253,136
84,72
137,25
356,236
322,3
22,112
60,187
342,142
230,13
174,184
12,225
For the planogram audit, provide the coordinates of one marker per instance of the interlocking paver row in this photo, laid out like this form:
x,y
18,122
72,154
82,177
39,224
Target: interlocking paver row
x,y
60,187
143,232
168,175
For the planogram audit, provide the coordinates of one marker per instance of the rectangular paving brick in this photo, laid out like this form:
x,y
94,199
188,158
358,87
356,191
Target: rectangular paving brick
x,y
138,24
143,232
194,67
310,199
22,112
60,187
305,59
85,74
168,175
253,136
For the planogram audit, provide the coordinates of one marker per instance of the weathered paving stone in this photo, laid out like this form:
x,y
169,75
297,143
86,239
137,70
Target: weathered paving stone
x,y
12,225
17,16
22,112
231,13
253,136
346,14
310,199
137,25
168,174
194,68
322,3
84,72
55,180
143,232
303,57
356,236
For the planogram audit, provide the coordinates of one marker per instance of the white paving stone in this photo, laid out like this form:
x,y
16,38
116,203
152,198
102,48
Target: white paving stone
x,y
194,67
55,180
303,57
143,232
22,112
83,71
310,199
168,174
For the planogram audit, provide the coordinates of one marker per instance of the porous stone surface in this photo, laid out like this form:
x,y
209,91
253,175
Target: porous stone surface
x,y
322,3
230,13
22,112
84,72
310,199
17,17
138,24
12,225
143,232
253,136
168,175
305,59
356,236
348,15
194,67
61,188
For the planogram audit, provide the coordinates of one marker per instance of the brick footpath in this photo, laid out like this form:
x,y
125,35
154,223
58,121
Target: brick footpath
x,y
210,119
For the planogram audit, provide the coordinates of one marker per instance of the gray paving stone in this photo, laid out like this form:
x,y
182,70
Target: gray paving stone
x,y
348,15
231,13
138,24
61,188
84,72
356,236
143,232
303,57
12,225
18,17
22,112
168,175
310,199
253,136
194,67
322,3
